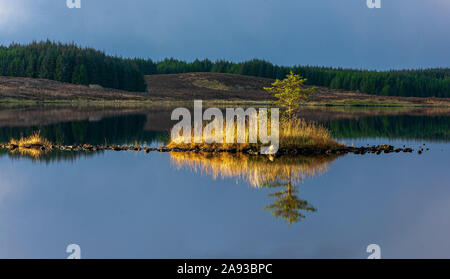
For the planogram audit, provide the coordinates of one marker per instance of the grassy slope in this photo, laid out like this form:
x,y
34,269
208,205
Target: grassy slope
x,y
187,87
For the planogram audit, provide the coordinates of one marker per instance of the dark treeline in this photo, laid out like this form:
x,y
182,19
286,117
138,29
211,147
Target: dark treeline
x,y
128,129
70,63
49,157
434,128
125,129
406,83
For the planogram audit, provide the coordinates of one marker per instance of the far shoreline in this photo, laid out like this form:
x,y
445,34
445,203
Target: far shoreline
x,y
148,103
179,89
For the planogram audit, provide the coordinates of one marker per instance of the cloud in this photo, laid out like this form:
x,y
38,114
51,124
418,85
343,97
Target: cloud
x,y
403,34
12,14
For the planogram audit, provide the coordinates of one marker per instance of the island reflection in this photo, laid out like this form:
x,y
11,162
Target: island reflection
x,y
46,156
284,173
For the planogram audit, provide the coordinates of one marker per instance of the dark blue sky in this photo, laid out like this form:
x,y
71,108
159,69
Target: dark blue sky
x,y
402,34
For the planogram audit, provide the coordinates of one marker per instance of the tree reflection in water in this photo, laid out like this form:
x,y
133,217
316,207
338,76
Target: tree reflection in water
x,y
46,156
287,205
284,173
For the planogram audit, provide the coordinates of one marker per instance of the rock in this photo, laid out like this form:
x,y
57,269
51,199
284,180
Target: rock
x,y
87,146
386,147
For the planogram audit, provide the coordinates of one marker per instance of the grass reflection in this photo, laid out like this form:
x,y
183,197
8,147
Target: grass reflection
x,y
284,173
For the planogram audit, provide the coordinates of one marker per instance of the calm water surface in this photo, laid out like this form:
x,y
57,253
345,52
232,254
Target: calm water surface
x,y
160,205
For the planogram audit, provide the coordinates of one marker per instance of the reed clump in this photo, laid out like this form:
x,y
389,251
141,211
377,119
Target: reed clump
x,y
35,140
293,134
298,133
33,146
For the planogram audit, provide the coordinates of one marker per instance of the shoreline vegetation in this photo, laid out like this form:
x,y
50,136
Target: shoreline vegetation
x,y
7,102
36,146
11,102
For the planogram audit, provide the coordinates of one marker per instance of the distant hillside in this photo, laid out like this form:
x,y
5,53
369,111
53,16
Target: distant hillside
x,y
401,83
206,86
217,86
73,64
188,87
32,89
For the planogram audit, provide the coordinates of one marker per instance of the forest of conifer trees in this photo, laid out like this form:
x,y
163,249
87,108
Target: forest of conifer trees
x,y
71,63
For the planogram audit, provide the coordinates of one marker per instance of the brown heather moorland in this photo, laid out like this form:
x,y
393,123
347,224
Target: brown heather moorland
x,y
187,87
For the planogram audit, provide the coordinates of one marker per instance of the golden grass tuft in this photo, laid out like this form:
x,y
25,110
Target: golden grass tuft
x,y
34,140
293,134
298,133
31,146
